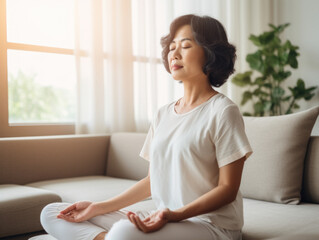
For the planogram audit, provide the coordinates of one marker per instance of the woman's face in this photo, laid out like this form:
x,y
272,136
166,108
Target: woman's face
x,y
186,58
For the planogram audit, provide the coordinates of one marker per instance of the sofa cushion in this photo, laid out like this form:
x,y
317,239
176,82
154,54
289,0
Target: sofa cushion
x,y
265,220
310,188
274,171
91,188
20,208
123,158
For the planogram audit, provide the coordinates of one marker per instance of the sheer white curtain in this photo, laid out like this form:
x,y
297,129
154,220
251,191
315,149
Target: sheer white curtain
x,y
121,81
104,66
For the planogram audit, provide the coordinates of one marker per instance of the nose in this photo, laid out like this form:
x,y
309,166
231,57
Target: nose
x,y
176,54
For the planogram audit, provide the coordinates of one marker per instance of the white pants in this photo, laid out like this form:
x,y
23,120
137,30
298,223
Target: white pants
x,y
120,228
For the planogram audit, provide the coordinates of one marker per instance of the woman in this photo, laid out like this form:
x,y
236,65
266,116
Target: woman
x,y
196,147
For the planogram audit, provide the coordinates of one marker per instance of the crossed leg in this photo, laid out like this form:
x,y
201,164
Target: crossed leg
x,y
116,226
96,228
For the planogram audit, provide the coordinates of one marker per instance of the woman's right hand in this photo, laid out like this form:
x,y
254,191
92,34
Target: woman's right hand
x,y
78,212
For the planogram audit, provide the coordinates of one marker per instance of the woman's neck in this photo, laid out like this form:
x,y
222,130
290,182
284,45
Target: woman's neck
x,y
194,95
197,93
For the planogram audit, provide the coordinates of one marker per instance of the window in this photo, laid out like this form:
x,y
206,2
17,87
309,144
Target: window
x,y
51,66
37,70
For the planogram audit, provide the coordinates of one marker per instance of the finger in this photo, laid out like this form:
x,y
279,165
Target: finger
x,y
68,209
131,218
155,225
141,225
146,220
66,218
149,223
129,213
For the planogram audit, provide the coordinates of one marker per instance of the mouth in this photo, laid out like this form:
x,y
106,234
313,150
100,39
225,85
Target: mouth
x,y
176,67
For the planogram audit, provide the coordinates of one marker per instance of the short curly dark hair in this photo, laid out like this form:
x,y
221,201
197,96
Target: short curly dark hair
x,y
210,34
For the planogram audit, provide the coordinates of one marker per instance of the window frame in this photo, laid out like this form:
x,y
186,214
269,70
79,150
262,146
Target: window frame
x,y
23,129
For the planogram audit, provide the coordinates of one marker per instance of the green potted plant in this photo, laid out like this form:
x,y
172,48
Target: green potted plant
x,y
271,60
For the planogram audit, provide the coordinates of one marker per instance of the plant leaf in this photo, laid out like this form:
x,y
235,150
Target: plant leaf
x,y
259,81
255,61
267,106
259,109
300,84
242,79
282,27
286,98
272,26
255,40
277,94
292,59
281,75
266,37
247,96
267,85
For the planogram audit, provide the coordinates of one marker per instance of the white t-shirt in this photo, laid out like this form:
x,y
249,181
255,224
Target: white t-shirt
x,y
186,151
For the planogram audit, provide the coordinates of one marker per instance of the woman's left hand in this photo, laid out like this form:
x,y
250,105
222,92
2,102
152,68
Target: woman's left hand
x,y
152,223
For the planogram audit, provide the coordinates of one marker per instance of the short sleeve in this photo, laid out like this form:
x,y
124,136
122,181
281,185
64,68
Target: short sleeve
x,y
231,142
146,149
145,152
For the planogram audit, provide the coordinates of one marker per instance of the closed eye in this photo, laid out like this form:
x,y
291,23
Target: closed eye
x,y
172,49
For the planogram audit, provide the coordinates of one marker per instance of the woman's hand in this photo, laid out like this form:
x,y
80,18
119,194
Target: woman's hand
x,y
78,212
152,223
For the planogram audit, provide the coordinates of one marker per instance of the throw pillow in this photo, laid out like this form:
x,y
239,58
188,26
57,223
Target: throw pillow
x,y
274,171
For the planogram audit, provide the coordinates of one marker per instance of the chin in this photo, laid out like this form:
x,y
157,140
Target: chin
x,y
177,77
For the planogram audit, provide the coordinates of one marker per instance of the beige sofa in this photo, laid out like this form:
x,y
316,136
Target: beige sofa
x,y
280,181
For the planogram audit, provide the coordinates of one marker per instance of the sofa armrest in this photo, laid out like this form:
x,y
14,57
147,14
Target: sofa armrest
x,y
28,159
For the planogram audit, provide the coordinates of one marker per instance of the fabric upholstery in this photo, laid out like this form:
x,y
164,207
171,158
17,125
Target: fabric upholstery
x,y
20,208
263,220
123,158
266,220
56,156
91,188
311,172
274,171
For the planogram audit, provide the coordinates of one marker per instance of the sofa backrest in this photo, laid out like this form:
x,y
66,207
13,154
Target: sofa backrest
x,y
28,159
124,162
310,189
123,157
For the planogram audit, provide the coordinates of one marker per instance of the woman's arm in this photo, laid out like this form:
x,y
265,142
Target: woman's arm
x,y
223,194
81,211
136,193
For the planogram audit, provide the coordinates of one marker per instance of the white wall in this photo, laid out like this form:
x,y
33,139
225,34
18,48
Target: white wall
x,y
303,15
